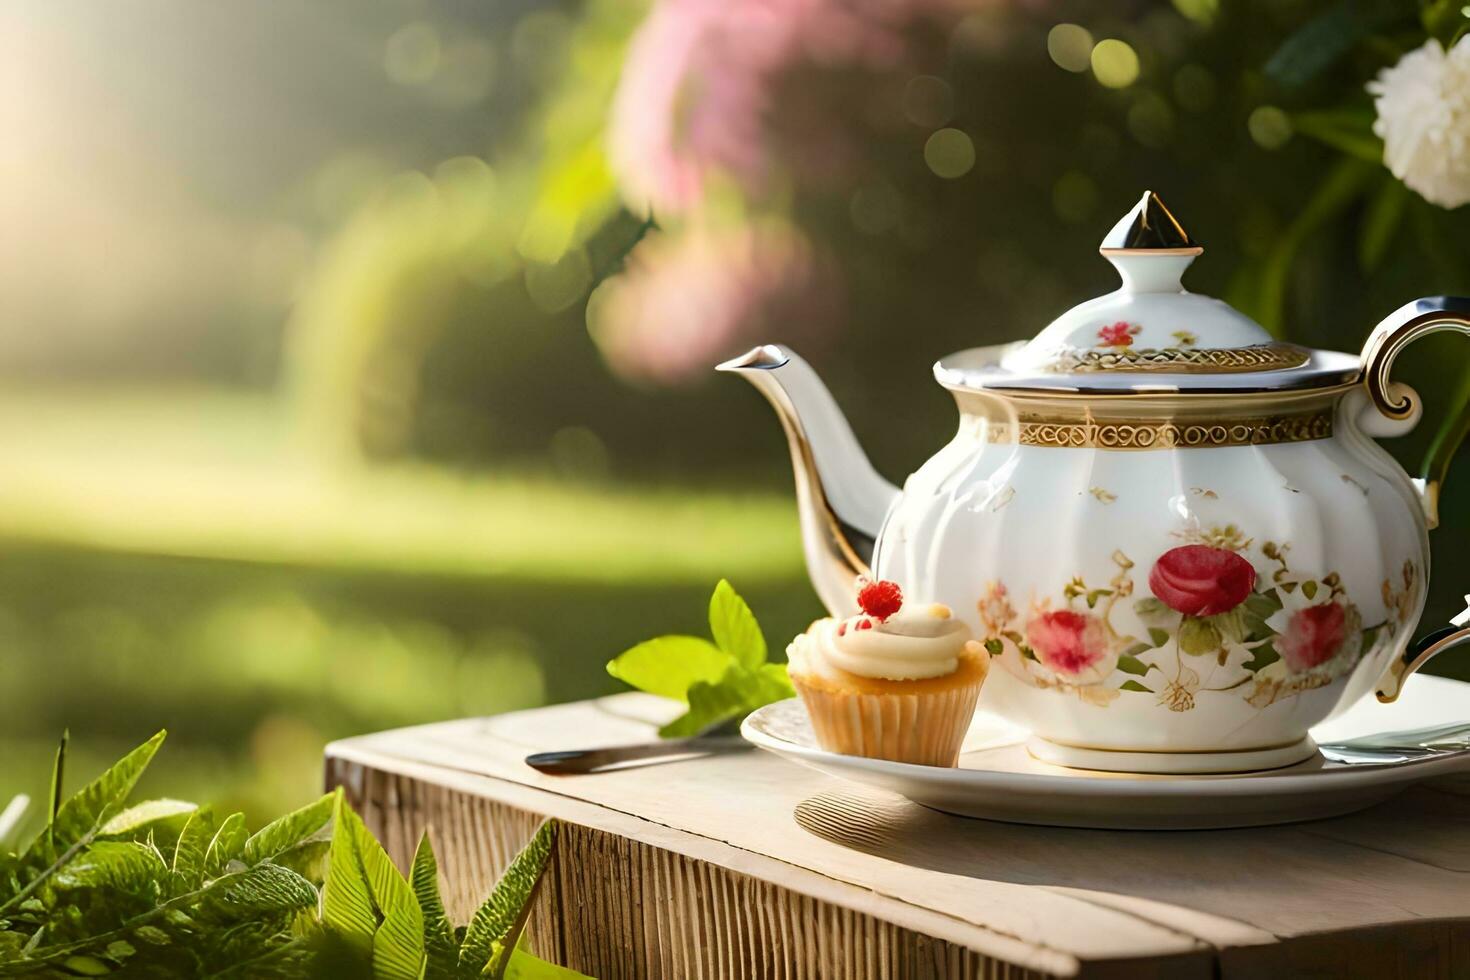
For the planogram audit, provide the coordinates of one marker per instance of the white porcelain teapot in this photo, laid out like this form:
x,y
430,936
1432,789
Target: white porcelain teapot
x,y
1176,535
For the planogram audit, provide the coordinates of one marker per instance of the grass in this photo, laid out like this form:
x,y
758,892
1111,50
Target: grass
x,y
253,667
172,561
210,475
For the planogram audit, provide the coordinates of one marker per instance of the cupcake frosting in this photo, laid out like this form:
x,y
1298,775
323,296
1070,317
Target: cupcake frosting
x,y
913,644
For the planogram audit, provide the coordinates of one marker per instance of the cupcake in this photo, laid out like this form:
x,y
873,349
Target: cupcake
x,y
897,682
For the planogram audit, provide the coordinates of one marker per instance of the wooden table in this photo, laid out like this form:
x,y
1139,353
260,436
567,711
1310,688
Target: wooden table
x,y
743,865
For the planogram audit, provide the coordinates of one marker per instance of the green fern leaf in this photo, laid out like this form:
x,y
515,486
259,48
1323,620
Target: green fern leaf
x,y
58,773
228,844
439,944
295,828
347,903
262,956
370,904
136,819
497,918
194,921
84,815
525,966
398,943
187,866
75,823
310,860
262,889
127,866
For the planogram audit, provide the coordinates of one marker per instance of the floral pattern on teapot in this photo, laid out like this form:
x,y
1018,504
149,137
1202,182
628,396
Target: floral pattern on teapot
x,y
1210,624
1118,334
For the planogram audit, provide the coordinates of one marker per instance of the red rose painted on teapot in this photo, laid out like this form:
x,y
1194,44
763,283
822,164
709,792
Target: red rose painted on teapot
x,y
1177,537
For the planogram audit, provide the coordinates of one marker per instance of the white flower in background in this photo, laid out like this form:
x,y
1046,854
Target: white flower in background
x,y
1423,105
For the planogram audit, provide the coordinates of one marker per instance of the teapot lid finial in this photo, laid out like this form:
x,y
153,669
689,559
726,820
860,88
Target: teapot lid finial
x,y
1150,226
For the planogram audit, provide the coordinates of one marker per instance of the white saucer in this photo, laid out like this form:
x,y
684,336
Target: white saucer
x,y
998,779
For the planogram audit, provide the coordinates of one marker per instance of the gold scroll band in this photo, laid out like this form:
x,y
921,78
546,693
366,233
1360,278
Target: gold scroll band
x,y
1183,360
1143,434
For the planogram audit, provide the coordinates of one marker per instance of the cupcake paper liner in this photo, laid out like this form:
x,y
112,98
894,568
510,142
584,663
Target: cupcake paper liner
x,y
923,728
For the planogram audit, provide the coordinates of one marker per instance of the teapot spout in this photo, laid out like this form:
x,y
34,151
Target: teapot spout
x,y
841,499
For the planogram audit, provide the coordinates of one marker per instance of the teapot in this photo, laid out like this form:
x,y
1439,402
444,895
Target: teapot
x,y
1175,534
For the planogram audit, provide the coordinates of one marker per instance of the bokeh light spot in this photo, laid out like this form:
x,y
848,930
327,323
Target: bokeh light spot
x,y
579,454
1070,46
409,193
467,187
1150,120
875,209
950,153
928,101
466,73
413,52
1075,197
1114,63
1199,11
984,32
538,43
1195,87
465,181
1269,127
487,264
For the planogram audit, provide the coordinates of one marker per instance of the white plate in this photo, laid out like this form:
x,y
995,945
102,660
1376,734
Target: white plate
x,y
997,779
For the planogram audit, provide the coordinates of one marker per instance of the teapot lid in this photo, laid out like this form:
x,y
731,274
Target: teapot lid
x,y
1151,335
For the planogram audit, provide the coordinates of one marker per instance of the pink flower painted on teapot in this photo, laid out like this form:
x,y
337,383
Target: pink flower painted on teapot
x,y
1198,580
1313,636
1068,642
1118,334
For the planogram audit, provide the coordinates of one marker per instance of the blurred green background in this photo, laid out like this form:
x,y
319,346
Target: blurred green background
x,y
304,430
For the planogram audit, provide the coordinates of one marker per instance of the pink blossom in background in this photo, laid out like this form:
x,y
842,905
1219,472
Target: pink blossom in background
x,y
691,298
698,84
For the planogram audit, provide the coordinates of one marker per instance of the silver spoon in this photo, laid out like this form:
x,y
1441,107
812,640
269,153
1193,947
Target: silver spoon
x,y
717,739
1389,748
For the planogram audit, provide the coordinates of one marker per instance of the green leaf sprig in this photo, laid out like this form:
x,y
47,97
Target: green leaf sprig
x,y
164,889
718,680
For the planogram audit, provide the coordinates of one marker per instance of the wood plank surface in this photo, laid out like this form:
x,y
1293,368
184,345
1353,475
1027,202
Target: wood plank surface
x,y
744,865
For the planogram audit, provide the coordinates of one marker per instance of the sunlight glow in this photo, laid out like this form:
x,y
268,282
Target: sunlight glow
x,y
1115,63
412,55
950,153
1070,46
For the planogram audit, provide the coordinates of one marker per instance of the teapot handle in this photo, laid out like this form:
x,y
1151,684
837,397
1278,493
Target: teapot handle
x,y
1398,402
1419,652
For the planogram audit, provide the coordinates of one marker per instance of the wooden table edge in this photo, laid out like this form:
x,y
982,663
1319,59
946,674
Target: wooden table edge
x,y
1209,946
814,884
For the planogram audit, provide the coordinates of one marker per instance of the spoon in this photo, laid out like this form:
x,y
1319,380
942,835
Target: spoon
x,y
718,739
1389,748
